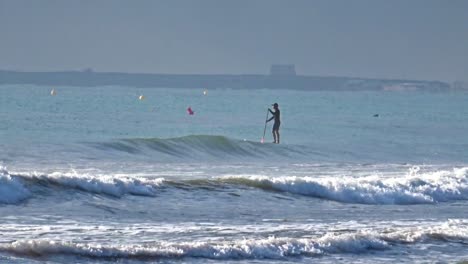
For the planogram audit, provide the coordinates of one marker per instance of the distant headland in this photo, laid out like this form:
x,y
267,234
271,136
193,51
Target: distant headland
x,y
280,77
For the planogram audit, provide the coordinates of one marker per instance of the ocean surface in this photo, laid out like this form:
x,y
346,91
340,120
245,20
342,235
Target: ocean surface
x,y
95,175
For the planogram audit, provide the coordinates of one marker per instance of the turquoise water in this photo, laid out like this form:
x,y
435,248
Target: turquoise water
x,y
96,175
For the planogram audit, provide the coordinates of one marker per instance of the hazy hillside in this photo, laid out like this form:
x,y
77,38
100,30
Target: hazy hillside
x,y
90,78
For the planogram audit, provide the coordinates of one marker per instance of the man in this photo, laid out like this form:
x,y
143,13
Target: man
x,y
276,125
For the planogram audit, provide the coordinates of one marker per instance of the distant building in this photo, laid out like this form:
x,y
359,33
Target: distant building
x,y
283,70
400,87
459,85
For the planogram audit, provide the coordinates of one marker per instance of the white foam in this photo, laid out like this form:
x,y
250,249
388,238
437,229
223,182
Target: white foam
x,y
251,248
11,189
455,230
413,188
270,248
103,184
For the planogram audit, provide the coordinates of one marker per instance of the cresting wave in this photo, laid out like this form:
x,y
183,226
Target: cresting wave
x,y
454,231
13,187
201,147
414,188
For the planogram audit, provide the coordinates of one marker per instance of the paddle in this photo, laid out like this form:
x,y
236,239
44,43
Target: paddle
x,y
264,130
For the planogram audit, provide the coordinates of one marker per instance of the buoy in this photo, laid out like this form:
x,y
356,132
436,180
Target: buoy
x,y
205,92
141,97
52,92
190,111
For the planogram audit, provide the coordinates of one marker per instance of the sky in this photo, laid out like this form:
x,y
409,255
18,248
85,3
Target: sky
x,y
403,39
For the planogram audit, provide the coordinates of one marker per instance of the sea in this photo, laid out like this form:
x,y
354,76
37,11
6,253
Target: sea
x,y
115,174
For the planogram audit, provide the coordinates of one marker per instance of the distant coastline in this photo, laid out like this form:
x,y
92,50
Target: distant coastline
x,y
89,78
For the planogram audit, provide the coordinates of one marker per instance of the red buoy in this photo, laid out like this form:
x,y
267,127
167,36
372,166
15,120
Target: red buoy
x,y
190,111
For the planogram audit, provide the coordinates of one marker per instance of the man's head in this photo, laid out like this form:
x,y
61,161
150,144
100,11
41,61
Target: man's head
x,y
275,105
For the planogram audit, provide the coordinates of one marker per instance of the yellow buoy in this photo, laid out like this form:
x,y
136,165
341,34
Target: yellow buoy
x,y
141,97
52,92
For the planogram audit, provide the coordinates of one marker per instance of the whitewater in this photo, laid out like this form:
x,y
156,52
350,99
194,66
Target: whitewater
x,y
98,175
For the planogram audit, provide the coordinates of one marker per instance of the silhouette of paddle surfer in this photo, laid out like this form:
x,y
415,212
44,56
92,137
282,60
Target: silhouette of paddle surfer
x,y
276,124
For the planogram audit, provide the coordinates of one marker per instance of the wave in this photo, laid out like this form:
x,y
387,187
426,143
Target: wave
x,y
270,248
13,187
201,147
413,188
356,242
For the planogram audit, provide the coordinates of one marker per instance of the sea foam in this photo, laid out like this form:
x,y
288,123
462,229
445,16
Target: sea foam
x,y
413,188
100,184
268,248
105,184
356,242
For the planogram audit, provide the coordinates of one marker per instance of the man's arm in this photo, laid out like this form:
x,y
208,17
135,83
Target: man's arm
x,y
273,113
273,117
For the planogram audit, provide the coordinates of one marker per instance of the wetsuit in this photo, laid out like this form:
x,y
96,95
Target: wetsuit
x,y
276,125
276,116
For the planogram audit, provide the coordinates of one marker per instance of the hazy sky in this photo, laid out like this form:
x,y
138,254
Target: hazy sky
x,y
414,39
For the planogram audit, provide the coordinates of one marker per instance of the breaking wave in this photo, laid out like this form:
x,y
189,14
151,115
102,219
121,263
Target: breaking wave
x,y
14,187
11,189
357,242
414,188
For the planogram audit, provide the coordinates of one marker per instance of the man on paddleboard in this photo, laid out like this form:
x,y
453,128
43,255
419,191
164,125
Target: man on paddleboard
x,y
276,125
